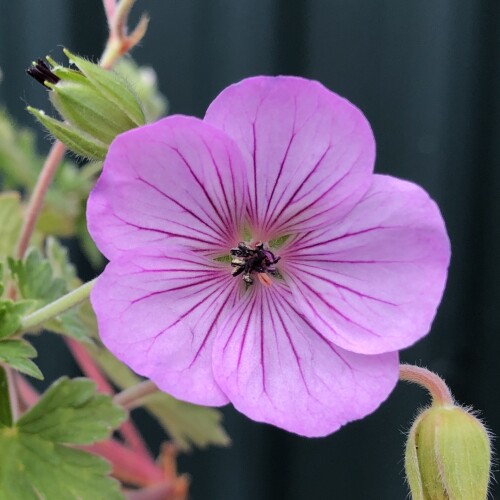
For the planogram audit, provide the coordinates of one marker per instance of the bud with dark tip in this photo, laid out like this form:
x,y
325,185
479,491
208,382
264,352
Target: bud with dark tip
x,y
96,105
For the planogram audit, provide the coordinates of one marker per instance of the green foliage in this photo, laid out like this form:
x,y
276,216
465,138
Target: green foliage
x,y
11,314
35,279
38,458
44,280
17,353
20,165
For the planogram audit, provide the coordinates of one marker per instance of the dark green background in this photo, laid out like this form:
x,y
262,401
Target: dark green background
x,y
426,74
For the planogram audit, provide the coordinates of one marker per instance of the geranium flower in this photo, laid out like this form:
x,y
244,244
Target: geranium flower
x,y
256,259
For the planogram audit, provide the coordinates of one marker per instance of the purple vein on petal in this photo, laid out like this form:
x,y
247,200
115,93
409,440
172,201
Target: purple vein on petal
x,y
190,212
203,188
344,287
286,205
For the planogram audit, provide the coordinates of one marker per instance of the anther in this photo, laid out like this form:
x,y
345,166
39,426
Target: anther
x,y
247,260
42,73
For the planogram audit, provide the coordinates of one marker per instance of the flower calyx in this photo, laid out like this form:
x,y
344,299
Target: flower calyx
x,y
96,105
448,455
247,259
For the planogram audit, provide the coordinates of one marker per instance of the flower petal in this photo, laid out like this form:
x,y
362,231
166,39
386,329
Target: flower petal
x,y
158,310
276,368
308,152
373,281
179,178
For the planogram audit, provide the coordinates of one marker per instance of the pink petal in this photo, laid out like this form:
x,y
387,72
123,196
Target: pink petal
x,y
158,310
179,179
276,368
308,152
373,281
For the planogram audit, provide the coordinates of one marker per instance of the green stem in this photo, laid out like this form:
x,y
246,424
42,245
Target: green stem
x,y
57,307
5,408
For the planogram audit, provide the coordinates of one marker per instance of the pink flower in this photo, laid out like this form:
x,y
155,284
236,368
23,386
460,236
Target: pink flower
x,y
256,259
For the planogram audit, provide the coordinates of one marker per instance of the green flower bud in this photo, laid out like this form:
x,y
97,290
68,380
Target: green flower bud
x,y
448,456
96,105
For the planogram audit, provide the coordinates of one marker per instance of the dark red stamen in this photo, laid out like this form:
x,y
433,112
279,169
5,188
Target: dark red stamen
x,y
247,260
41,72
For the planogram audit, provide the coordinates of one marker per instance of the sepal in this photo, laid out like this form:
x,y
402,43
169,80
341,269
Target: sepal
x,y
75,140
448,455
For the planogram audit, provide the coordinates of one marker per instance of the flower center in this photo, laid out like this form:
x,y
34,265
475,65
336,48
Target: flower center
x,y
247,260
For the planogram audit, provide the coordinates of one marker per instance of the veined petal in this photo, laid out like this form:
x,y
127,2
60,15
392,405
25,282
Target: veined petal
x,y
275,367
373,281
308,152
179,179
158,310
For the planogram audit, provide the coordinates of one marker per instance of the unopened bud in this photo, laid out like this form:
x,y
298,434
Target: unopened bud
x,y
448,455
96,105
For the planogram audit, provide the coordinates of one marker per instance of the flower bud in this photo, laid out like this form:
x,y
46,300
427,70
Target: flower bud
x,y
448,455
96,104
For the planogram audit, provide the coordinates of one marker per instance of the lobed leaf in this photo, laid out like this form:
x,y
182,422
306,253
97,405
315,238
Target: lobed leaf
x,y
37,463
17,353
35,278
44,280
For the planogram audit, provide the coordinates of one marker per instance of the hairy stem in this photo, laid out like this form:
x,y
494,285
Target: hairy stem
x,y
71,299
132,397
434,384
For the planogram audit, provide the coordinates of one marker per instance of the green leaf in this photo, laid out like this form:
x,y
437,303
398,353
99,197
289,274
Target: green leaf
x,y
73,412
11,220
187,423
35,278
36,462
17,353
58,257
11,314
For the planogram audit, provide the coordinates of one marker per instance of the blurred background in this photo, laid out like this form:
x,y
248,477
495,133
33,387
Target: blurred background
x,y
426,73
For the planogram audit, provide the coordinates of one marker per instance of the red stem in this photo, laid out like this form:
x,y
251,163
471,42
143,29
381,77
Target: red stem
x,y
126,465
89,368
49,169
109,9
